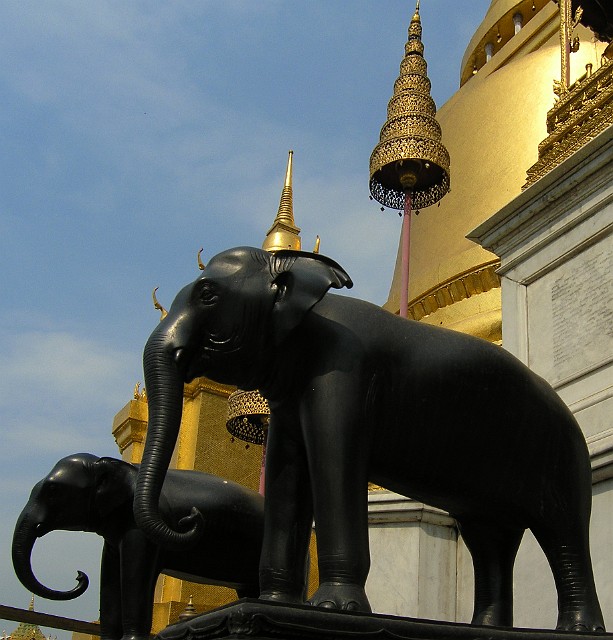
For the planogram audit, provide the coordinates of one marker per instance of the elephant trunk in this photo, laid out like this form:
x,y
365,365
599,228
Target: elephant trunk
x,y
26,533
164,385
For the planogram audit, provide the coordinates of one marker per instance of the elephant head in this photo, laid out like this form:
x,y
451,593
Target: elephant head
x,y
74,496
227,325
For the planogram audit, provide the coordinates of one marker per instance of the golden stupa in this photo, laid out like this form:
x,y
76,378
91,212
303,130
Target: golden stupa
x,y
492,127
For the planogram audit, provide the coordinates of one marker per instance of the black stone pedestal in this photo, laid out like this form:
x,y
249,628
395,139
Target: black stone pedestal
x,y
253,619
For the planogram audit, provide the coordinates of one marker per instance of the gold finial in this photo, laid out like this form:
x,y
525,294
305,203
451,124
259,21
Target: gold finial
x,y
284,234
410,154
31,607
288,171
317,243
158,306
568,44
200,263
140,394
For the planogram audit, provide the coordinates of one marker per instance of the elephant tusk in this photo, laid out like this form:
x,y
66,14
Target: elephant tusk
x,y
158,306
200,263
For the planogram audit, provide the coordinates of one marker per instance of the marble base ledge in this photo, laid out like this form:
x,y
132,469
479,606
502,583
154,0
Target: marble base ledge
x,y
250,618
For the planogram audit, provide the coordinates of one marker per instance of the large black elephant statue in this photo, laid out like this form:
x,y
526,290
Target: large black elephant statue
x,y
86,493
358,394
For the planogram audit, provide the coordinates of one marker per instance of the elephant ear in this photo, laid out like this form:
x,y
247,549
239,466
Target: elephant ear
x,y
114,484
302,279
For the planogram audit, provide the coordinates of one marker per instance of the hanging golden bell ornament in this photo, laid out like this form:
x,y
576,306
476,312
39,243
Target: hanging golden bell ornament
x,y
248,416
410,154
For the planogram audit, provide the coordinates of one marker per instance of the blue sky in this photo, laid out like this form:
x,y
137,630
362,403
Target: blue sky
x,y
132,135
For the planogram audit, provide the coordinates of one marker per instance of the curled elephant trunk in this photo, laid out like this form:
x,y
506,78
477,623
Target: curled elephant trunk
x,y
26,533
164,385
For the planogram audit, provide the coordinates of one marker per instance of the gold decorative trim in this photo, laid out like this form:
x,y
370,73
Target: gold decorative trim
x,y
413,82
465,285
583,112
403,103
250,403
404,125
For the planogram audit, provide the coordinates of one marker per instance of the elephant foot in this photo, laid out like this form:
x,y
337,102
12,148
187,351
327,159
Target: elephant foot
x,y
337,595
280,596
580,627
580,623
496,615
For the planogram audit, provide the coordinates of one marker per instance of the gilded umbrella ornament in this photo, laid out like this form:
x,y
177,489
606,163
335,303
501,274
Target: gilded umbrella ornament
x,y
410,165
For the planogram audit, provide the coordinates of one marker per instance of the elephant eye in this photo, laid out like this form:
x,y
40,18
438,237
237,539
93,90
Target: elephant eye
x,y
208,295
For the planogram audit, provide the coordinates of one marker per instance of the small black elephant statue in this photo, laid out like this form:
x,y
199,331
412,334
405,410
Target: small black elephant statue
x,y
358,394
86,493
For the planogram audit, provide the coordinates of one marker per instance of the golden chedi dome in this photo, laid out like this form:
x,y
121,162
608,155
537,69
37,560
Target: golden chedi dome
x,y
492,127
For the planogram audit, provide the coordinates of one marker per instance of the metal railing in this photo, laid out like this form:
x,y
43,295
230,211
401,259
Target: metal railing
x,y
48,620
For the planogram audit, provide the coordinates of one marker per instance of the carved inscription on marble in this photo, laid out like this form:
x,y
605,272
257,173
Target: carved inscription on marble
x,y
582,312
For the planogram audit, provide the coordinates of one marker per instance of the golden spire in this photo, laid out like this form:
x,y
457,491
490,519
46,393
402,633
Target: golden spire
x,y
284,234
28,630
410,154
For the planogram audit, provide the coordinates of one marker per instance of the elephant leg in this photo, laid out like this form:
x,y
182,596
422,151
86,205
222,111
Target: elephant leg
x,y
110,594
288,515
565,542
139,572
493,550
338,453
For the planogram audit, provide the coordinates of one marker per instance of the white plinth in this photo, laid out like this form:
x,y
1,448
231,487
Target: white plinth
x,y
413,558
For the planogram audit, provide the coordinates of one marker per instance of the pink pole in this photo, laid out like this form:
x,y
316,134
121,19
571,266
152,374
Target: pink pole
x,y
405,254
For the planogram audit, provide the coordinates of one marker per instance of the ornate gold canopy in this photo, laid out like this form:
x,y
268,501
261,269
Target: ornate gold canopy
x,y
410,154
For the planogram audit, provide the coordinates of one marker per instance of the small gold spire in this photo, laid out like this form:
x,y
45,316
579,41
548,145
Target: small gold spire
x,y
284,234
200,263
317,243
568,44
